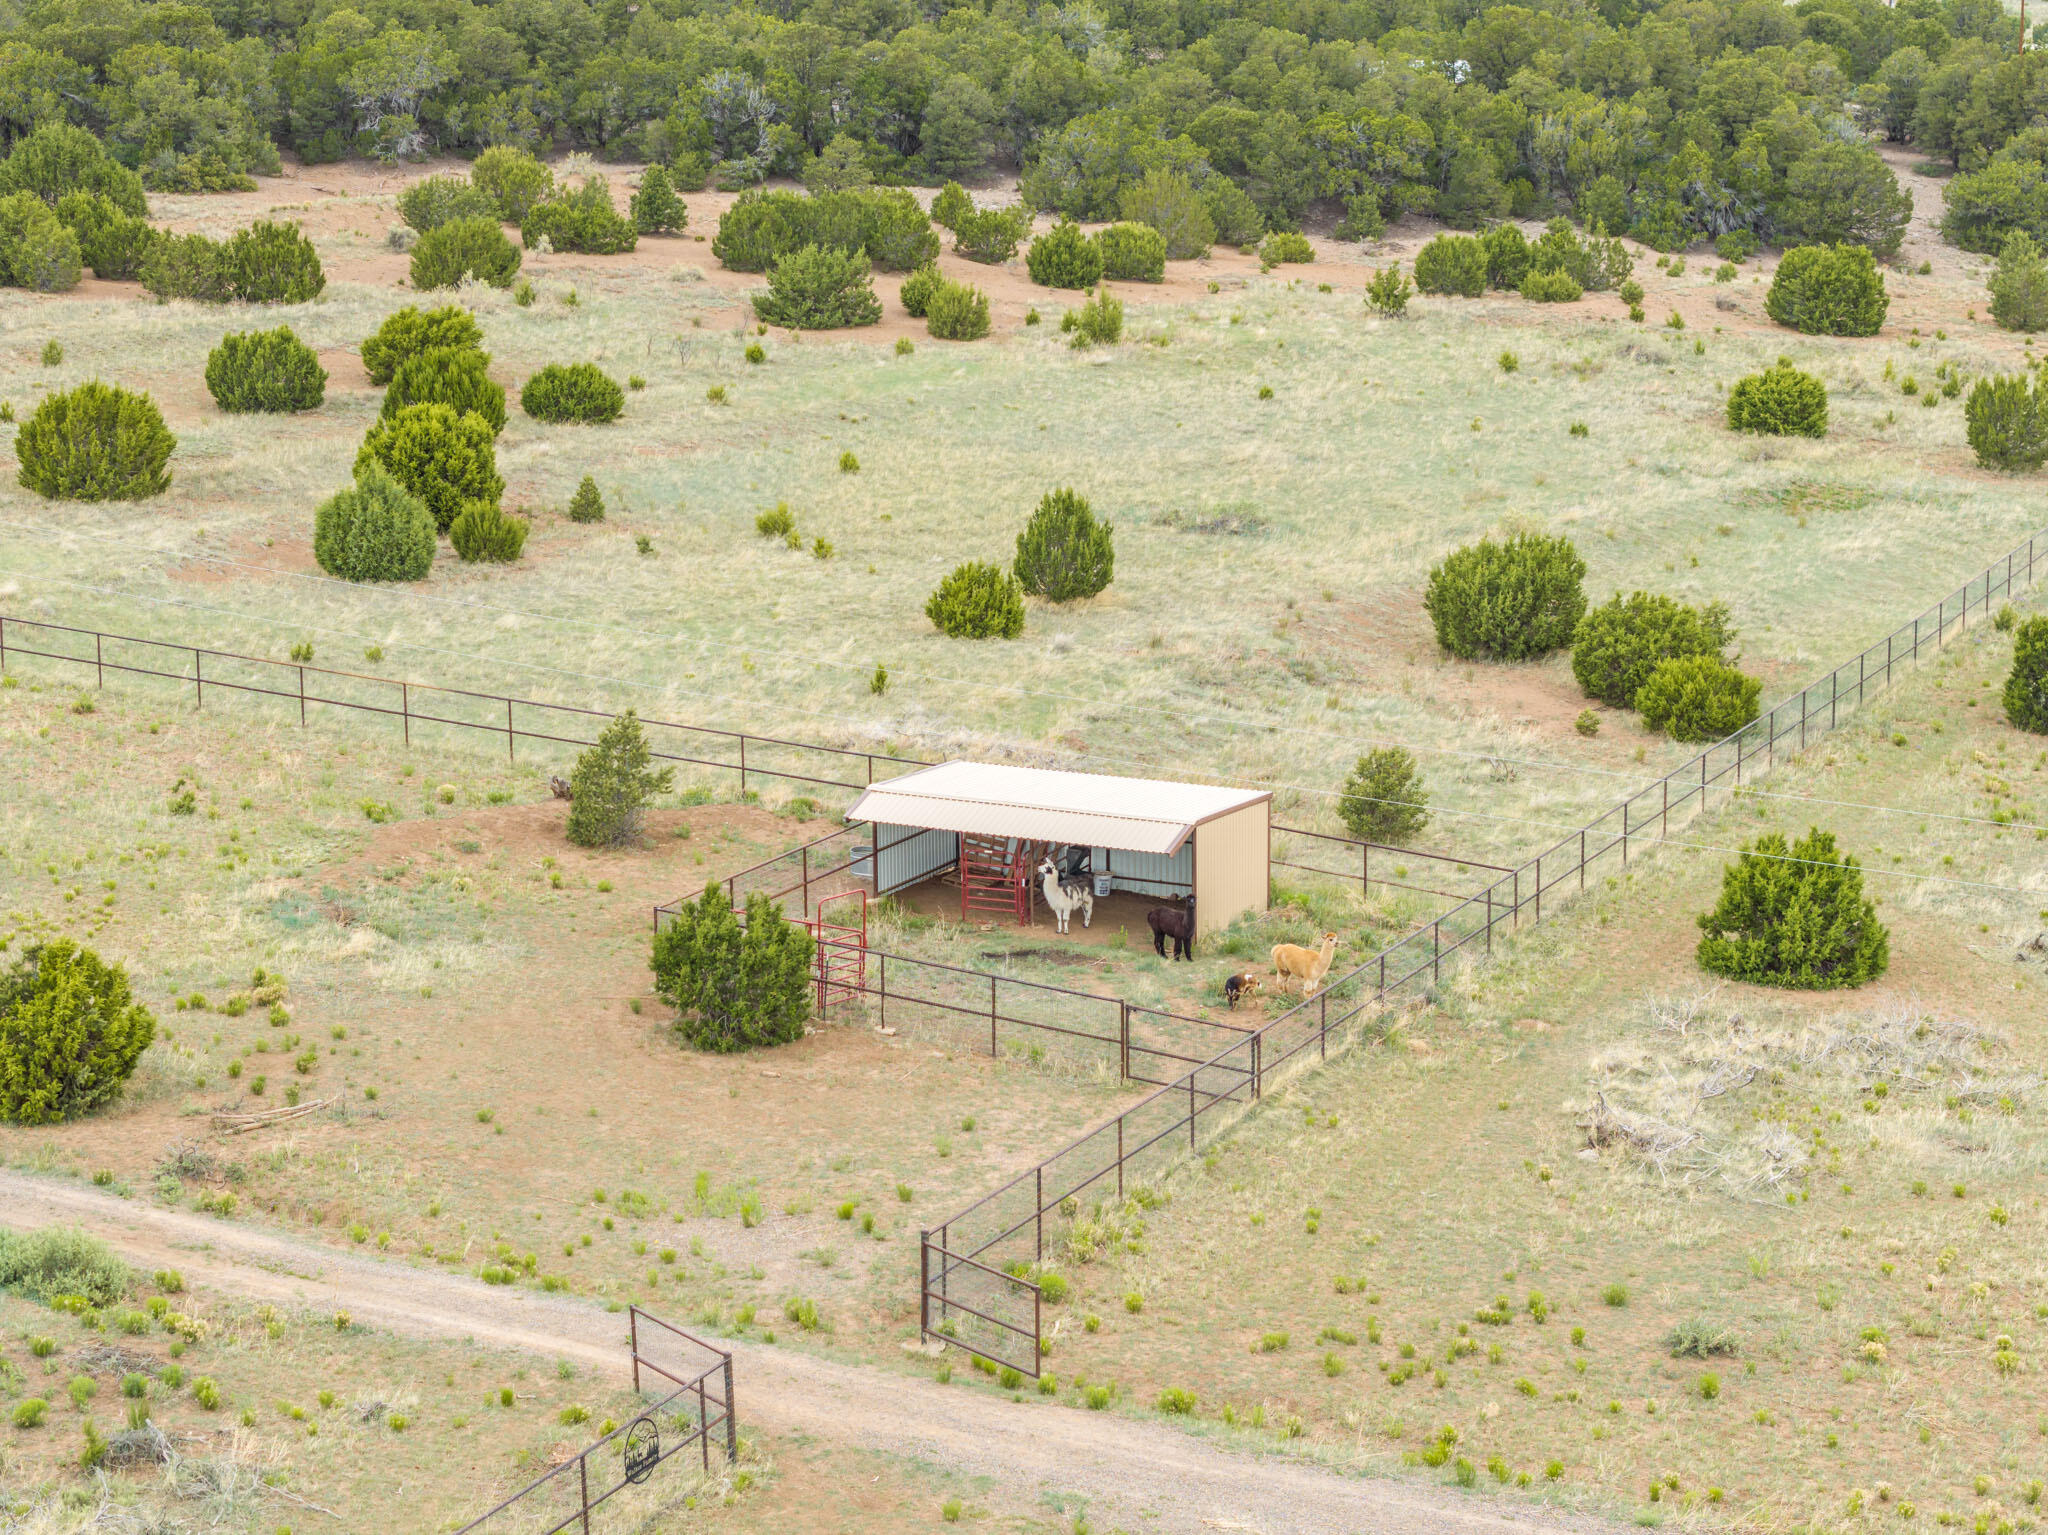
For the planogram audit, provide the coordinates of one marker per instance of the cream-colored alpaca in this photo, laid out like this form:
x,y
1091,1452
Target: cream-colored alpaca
x,y
1308,966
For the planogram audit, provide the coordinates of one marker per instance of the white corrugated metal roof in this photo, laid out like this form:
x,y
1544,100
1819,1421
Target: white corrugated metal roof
x,y
1141,815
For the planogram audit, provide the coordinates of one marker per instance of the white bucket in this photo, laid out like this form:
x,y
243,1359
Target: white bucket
x,y
1101,886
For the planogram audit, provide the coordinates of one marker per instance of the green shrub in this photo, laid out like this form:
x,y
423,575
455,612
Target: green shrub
x,y
1098,321
736,987
36,251
951,205
1737,245
583,220
1697,698
818,288
1231,209
2026,689
1794,916
1594,265
656,210
70,1035
1507,602
410,332
978,601
113,243
1176,1400
55,1261
1507,257
481,532
95,443
184,266
918,289
29,1412
1453,264
1167,201
1781,401
761,228
586,505
268,264
1284,245
513,179
455,376
1063,552
579,391
1551,288
462,248
1389,291
57,158
267,370
1063,257
612,782
374,530
436,200
2006,420
1384,799
442,457
1828,290
1132,253
958,312
1698,1338
991,235
1616,646
2019,287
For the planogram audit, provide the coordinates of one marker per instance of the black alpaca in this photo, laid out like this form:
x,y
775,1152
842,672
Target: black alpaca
x,y
1166,923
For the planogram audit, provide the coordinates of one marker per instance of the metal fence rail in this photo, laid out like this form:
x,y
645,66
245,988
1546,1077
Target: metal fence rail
x,y
418,708
1004,1232
618,1484
1356,860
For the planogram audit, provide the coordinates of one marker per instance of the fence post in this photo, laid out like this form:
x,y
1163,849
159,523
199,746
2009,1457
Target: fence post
x,y
1383,972
198,687
1123,1047
1539,883
302,698
991,1017
509,757
404,706
1365,870
732,1417
1582,860
583,1476
633,1324
1191,1099
1323,1039
1436,951
1119,1156
1489,934
1664,821
805,851
3,644
1038,1199
99,664
885,988
1624,832
924,1285
743,767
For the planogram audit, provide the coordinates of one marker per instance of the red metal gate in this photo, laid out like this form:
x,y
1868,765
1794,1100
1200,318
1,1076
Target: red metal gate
x,y
842,951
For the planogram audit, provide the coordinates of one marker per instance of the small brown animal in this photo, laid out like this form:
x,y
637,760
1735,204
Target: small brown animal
x,y
1242,985
1308,966
561,788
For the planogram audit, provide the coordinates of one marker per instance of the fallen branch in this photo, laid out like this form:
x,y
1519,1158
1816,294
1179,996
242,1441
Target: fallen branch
x,y
230,1123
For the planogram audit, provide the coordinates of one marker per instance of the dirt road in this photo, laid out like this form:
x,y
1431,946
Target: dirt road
x,y
1135,1474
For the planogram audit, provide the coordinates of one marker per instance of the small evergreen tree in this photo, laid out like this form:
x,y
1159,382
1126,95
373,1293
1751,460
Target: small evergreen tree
x,y
70,1034
1063,257
2019,288
270,263
978,601
586,505
1384,799
918,288
443,458
951,206
583,220
1286,245
482,532
991,236
819,288
436,200
656,208
578,391
410,331
1618,645
1828,290
1233,213
1132,253
2026,689
113,243
1167,201
271,370
1389,291
1098,322
1507,602
841,166
611,784
2006,420
36,251
472,247
1698,698
374,530
95,443
957,311
513,179
1794,916
734,987
1507,257
1779,402
1452,264
455,376
1063,552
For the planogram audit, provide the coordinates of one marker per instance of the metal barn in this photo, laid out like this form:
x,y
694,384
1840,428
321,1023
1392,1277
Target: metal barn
x,y
989,825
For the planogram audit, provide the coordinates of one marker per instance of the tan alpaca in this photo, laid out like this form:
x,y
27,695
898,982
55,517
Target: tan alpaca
x,y
1308,966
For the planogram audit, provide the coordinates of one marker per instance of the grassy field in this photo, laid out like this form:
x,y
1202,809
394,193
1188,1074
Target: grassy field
x,y
404,935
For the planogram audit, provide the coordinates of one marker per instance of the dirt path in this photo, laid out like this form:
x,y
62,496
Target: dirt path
x,y
1130,1472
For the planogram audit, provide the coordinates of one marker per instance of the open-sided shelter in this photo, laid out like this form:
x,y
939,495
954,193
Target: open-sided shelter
x,y
994,823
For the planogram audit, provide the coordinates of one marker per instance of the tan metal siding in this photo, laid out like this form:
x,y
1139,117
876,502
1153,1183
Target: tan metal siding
x,y
1230,867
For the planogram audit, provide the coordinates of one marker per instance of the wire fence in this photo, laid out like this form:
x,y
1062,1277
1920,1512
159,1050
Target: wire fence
x,y
1352,861
633,1474
427,712
976,1267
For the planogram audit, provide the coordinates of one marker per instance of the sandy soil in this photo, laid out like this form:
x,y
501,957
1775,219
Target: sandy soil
x,y
1129,1470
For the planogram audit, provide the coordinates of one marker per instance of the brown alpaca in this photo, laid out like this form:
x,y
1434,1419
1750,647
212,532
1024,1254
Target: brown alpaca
x,y
1309,966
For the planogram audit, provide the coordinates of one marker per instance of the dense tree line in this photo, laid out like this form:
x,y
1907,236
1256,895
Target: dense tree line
x,y
1670,122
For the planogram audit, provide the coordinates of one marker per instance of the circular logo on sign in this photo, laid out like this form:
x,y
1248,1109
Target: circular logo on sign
x,y
643,1449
